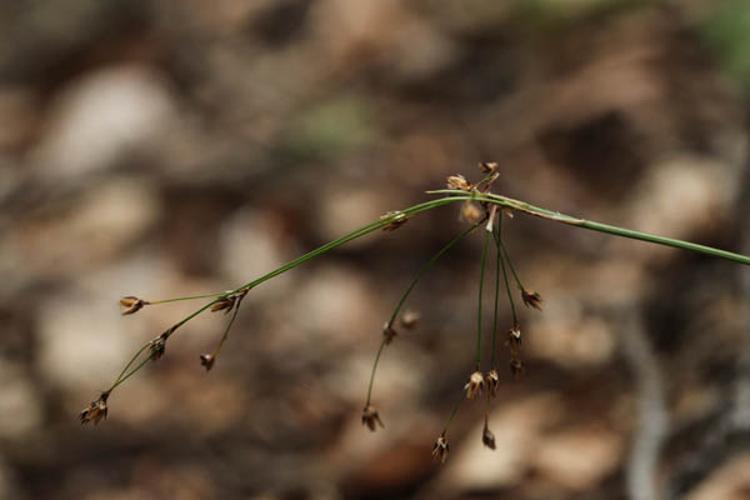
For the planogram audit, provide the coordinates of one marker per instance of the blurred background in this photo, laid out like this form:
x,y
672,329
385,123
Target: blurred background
x,y
165,148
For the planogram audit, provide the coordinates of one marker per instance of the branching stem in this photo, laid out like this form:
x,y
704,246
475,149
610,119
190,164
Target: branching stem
x,y
451,196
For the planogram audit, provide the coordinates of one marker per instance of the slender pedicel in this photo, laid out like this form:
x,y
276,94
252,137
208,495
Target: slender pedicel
x,y
482,267
498,264
501,257
389,331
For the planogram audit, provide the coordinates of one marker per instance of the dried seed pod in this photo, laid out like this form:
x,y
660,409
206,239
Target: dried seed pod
x,y
440,449
470,212
207,361
531,299
396,220
157,347
95,411
492,380
458,181
516,366
389,333
224,304
488,167
410,319
514,336
475,385
131,304
371,418
488,438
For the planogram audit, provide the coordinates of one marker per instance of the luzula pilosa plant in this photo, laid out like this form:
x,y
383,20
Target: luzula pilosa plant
x,y
482,210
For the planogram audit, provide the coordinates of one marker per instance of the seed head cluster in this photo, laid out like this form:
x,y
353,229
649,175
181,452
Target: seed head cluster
x,y
96,410
475,211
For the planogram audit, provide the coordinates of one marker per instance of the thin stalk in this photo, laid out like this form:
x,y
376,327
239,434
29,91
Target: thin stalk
x,y
422,271
129,364
544,213
512,267
498,263
426,267
189,297
501,258
372,374
482,266
452,415
129,374
228,327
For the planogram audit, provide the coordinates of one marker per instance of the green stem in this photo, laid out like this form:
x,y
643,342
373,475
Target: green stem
x,y
426,267
453,414
501,257
498,262
512,267
229,326
128,365
544,213
189,297
482,266
372,374
422,271
129,374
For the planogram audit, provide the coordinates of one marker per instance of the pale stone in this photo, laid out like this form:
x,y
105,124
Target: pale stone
x,y
100,118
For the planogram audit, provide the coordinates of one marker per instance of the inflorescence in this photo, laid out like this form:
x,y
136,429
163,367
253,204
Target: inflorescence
x,y
481,209
489,217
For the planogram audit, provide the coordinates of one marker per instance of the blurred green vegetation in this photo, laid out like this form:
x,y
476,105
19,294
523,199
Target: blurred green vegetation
x,y
727,32
329,129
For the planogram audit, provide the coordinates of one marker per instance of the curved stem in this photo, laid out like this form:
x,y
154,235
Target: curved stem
x,y
498,263
228,327
422,271
512,267
501,256
426,267
453,196
372,374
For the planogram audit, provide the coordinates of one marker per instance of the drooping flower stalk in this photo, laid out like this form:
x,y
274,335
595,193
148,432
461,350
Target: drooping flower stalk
x,y
388,330
482,267
153,350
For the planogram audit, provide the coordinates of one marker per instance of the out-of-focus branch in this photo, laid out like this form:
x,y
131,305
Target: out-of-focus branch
x,y
653,418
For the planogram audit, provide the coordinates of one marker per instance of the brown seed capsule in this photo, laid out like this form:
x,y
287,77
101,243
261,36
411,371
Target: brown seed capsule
x,y
410,319
492,380
227,303
458,181
440,449
470,212
396,220
207,361
475,385
514,335
389,333
131,305
488,438
96,411
157,347
488,167
531,299
371,419
516,366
